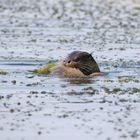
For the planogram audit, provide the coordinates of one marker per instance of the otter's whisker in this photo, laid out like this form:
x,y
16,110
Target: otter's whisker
x,y
86,67
93,67
82,66
85,70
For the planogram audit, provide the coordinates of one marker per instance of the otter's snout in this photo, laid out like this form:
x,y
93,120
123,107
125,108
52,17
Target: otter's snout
x,y
69,63
66,61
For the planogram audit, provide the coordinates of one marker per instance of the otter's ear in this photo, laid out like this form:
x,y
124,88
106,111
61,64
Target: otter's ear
x,y
91,53
91,57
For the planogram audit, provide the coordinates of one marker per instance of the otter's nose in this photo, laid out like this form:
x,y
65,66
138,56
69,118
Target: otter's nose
x,y
66,62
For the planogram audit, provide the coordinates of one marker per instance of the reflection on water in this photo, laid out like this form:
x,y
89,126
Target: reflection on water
x,y
20,72
23,62
78,80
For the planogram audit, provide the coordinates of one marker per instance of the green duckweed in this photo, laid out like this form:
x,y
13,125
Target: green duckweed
x,y
3,72
44,70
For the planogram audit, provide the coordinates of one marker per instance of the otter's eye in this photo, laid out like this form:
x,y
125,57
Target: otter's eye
x,y
69,61
76,59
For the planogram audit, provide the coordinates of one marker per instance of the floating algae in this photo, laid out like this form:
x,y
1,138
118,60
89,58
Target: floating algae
x,y
44,70
3,72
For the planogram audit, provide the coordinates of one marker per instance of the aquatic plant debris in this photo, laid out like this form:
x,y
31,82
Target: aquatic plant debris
x,y
44,69
3,72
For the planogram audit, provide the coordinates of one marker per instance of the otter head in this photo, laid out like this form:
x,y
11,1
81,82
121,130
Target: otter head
x,y
82,61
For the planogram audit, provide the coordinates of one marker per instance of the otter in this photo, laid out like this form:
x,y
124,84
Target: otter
x,y
77,63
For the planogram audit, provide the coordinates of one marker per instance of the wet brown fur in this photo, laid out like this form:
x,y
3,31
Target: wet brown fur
x,y
72,67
